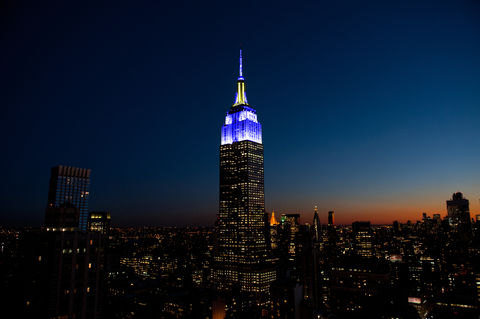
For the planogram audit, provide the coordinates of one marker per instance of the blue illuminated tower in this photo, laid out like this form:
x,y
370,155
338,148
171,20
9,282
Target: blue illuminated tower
x,y
242,254
241,122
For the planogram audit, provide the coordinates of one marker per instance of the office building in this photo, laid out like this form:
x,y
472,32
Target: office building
x,y
363,239
458,215
99,221
69,188
62,274
316,225
62,218
331,218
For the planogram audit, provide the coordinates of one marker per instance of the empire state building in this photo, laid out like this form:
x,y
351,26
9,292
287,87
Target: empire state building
x,y
242,254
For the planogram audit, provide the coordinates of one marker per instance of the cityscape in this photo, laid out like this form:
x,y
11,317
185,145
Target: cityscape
x,y
78,258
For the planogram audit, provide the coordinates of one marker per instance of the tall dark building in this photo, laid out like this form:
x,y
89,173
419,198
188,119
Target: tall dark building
x,y
69,188
274,235
62,274
331,218
242,253
316,225
99,221
362,233
458,214
62,218
62,264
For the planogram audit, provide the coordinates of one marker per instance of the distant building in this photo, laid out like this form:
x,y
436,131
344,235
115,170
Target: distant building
x,y
290,229
273,221
99,221
357,286
396,227
362,233
287,297
69,188
458,214
274,236
316,225
331,218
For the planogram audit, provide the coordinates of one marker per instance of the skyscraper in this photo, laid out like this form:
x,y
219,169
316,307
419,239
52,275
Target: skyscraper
x,y
316,225
242,253
63,271
274,232
273,221
331,218
362,233
99,221
69,188
64,263
458,214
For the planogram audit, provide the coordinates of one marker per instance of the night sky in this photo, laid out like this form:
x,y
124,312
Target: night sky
x,y
369,108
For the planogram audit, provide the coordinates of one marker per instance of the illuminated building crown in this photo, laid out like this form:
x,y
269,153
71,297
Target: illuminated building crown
x,y
241,122
273,221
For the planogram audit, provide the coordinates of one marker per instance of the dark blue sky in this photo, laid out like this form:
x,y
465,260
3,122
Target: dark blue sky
x,y
369,108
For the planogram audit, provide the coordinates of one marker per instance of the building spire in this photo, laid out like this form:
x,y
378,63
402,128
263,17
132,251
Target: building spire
x,y
241,96
240,74
273,221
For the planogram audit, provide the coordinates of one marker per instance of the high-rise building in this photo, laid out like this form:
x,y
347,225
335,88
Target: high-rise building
x,y
316,250
69,188
458,214
362,233
62,273
99,221
316,225
331,218
274,235
273,221
291,227
242,253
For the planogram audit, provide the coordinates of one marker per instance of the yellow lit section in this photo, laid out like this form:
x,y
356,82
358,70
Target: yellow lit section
x,y
273,221
241,96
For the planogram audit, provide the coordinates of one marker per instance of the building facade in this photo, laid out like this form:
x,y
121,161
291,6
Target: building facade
x,y
62,274
458,214
69,188
99,221
242,260
362,233
331,218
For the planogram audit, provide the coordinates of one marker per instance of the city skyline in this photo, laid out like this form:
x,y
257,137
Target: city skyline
x,y
375,124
